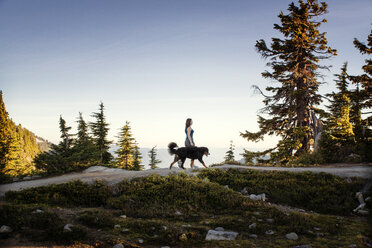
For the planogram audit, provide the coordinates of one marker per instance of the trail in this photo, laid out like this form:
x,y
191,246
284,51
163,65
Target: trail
x,y
114,175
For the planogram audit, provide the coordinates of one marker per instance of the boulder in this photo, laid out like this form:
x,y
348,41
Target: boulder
x,y
269,232
291,236
5,229
67,228
118,246
221,235
253,225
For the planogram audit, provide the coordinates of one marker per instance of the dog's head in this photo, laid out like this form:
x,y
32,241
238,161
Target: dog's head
x,y
206,151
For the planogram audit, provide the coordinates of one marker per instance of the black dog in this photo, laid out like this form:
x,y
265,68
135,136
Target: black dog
x,y
187,152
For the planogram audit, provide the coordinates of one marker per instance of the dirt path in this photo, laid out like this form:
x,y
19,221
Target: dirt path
x,y
113,176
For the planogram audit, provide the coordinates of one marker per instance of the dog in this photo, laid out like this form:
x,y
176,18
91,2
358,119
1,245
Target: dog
x,y
192,153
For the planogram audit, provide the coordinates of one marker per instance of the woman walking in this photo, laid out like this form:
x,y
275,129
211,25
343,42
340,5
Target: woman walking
x,y
189,133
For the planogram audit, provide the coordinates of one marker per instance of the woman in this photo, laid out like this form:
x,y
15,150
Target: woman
x,y
189,133
189,138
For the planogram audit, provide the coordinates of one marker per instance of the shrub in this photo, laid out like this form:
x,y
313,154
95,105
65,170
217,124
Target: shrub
x,y
320,192
73,193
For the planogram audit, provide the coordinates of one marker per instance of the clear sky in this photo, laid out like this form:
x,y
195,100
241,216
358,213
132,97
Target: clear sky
x,y
153,63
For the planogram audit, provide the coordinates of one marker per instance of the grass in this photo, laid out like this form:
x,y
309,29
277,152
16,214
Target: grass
x,y
176,210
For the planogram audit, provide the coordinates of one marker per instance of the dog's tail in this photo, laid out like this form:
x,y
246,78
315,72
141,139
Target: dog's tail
x,y
171,148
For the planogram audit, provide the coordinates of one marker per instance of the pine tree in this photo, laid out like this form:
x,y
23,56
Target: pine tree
x,y
230,153
137,158
100,130
126,148
339,125
153,160
5,134
361,97
66,137
85,152
295,67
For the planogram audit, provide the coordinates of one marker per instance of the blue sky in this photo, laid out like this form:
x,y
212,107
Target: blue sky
x,y
153,63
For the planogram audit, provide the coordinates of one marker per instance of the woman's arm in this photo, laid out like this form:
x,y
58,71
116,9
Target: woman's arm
x,y
188,135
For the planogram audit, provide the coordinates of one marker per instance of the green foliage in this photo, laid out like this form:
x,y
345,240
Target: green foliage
x,y
96,218
126,150
43,226
321,192
73,193
153,160
295,66
162,196
137,159
230,158
100,130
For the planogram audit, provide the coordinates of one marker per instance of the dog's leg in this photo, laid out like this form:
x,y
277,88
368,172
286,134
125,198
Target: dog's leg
x,y
183,161
192,163
202,162
176,158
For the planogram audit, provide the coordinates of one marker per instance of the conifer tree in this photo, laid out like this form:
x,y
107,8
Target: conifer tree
x,y
66,137
361,97
339,125
153,160
294,61
137,158
126,148
230,153
85,153
5,134
100,130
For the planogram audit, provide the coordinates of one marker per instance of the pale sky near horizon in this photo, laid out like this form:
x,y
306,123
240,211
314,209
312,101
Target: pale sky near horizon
x,y
153,63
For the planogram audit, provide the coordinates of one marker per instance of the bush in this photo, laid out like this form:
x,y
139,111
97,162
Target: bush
x,y
73,193
320,192
96,218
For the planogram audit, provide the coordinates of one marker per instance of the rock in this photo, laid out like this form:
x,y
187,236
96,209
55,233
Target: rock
x,y
253,236
117,226
153,228
5,229
302,246
368,199
319,234
183,237
118,246
367,241
221,235
165,228
260,220
123,216
353,246
270,220
35,176
291,236
37,211
253,225
67,228
27,178
269,232
140,241
244,191
15,179
177,213
363,212
257,213
124,230
186,225
260,197
317,229
227,186
349,180
219,229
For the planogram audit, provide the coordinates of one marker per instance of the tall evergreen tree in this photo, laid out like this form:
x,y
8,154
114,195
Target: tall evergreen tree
x,y
65,135
230,153
137,158
339,125
100,130
294,61
361,97
85,152
5,134
153,160
126,148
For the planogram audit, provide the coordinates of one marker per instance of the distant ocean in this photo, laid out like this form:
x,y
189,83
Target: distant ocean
x,y
216,156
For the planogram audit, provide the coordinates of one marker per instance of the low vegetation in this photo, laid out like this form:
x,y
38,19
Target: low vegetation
x,y
178,210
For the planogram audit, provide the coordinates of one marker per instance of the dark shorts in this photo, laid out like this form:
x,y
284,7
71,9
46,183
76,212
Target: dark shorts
x,y
187,142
